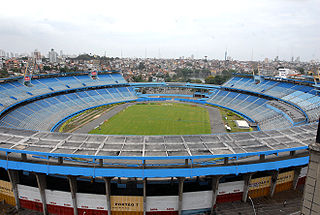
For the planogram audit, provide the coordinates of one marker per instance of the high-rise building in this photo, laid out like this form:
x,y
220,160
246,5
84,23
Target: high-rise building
x,y
2,53
36,54
225,55
53,56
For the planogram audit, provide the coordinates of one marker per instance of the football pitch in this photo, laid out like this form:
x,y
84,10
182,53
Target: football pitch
x,y
157,119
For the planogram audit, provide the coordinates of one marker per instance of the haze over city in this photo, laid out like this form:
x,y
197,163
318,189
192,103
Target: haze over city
x,y
167,29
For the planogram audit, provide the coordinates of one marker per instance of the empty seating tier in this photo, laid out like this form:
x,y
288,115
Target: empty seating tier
x,y
14,91
45,113
304,97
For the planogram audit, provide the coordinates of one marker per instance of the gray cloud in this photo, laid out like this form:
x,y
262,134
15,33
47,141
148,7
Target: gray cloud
x,y
269,27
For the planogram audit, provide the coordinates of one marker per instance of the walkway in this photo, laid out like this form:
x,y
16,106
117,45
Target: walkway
x,y
265,205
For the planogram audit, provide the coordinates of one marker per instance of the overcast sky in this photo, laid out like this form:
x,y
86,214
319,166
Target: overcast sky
x,y
166,28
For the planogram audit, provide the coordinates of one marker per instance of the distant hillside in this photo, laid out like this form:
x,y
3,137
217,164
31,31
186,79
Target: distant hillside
x,y
84,57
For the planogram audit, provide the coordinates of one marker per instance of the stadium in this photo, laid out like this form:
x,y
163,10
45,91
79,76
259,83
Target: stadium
x,y
81,173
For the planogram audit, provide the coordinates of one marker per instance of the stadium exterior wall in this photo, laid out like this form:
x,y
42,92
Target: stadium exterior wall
x,y
60,202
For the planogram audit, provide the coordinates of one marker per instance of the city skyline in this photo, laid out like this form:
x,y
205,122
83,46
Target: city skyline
x,y
247,29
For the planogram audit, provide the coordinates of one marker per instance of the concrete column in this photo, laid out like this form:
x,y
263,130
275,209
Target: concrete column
x,y
143,164
226,160
144,196
42,185
14,179
60,160
73,188
297,171
181,180
215,186
108,193
292,153
274,179
186,162
101,162
247,179
23,156
311,195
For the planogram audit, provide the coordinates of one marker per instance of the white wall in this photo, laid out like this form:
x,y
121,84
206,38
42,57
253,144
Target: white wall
x,y
29,193
162,203
92,201
303,172
192,200
60,198
197,200
230,187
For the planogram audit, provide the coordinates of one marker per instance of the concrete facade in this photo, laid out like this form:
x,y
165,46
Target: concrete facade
x,y
311,198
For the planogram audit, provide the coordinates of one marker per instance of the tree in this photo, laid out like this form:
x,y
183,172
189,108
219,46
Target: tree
x,y
46,68
167,78
137,78
141,66
4,73
227,74
63,70
84,57
74,69
210,80
218,79
16,70
301,70
196,81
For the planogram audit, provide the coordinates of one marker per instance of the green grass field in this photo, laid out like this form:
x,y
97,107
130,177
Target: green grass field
x,y
229,118
158,119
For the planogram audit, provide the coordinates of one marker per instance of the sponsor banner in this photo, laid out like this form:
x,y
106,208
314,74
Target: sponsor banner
x,y
27,78
6,188
127,203
259,183
285,177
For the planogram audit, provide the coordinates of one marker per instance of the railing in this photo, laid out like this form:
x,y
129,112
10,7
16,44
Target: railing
x,y
169,166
